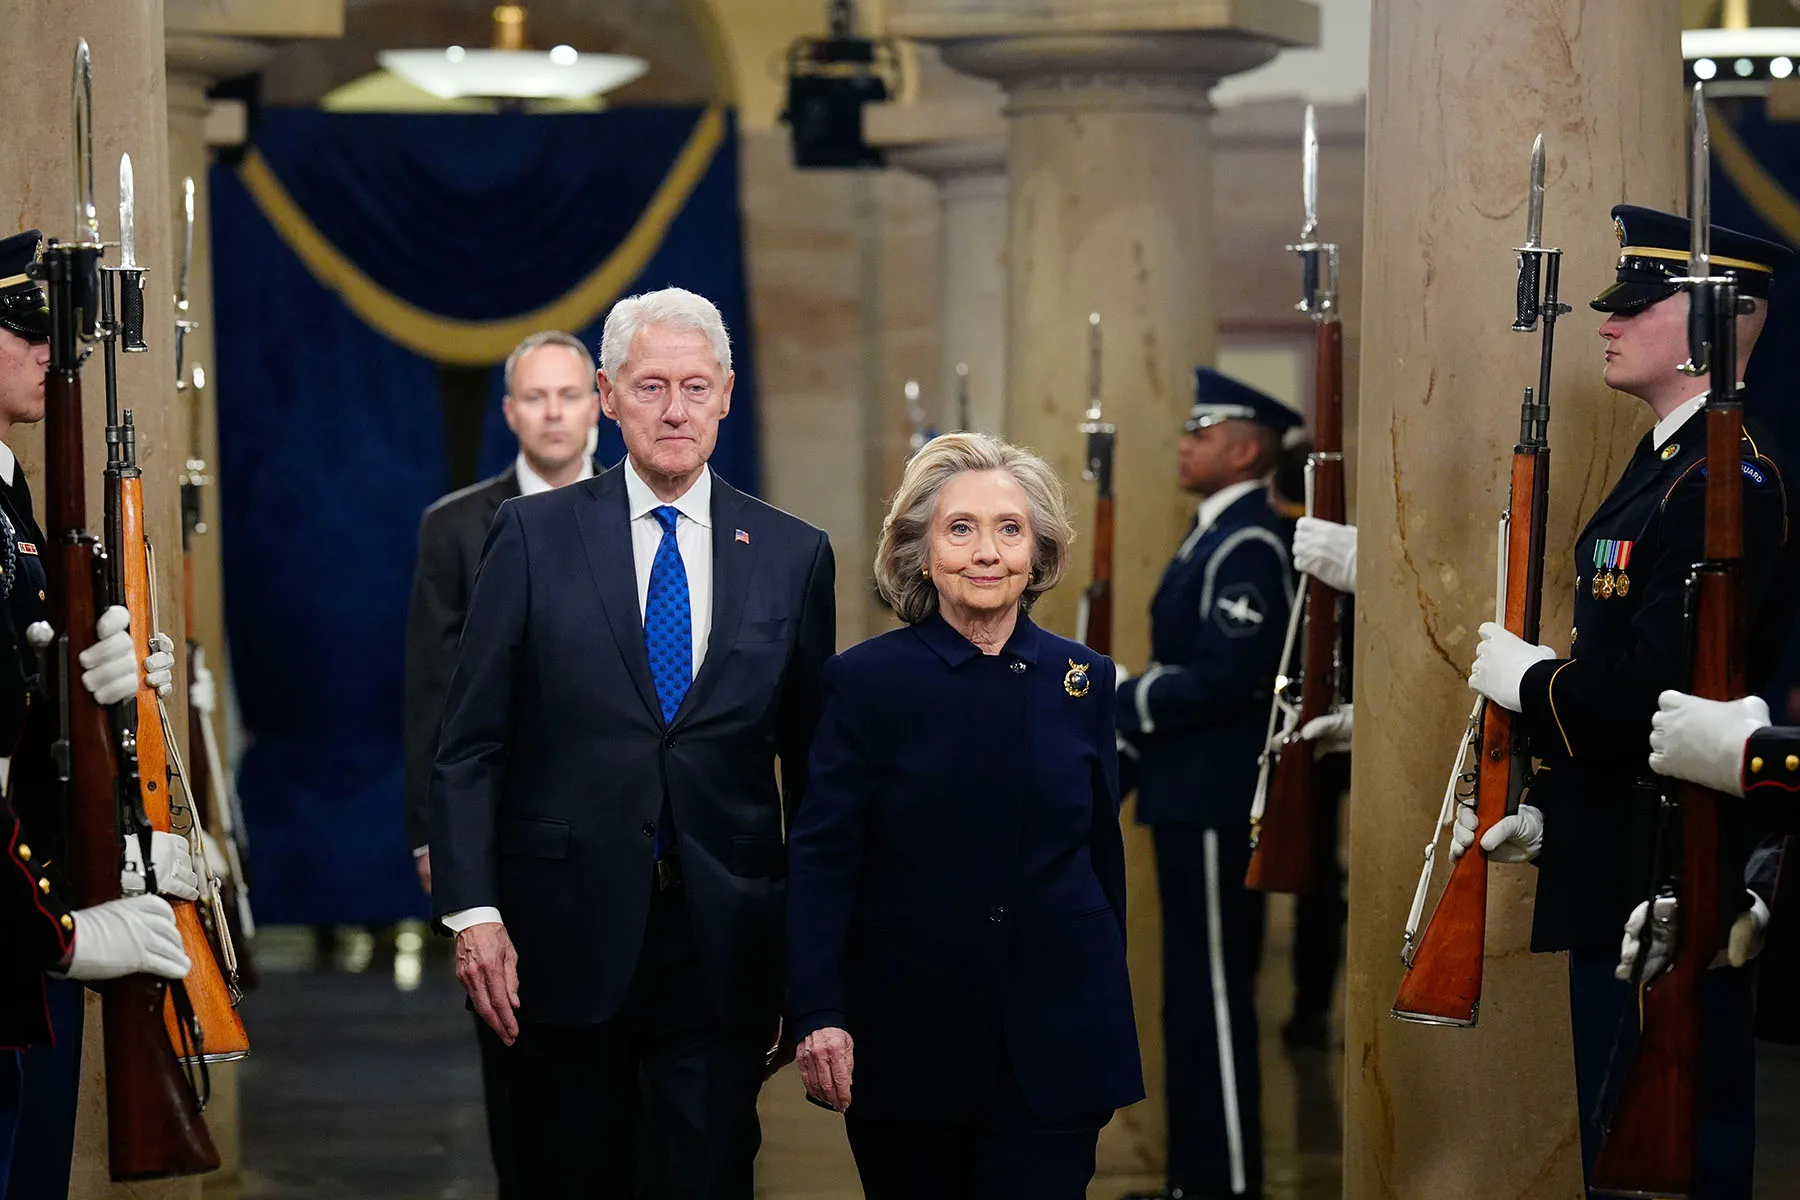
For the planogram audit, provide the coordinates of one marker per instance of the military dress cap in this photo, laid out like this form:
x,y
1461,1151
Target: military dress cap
x,y
23,306
1220,398
1653,252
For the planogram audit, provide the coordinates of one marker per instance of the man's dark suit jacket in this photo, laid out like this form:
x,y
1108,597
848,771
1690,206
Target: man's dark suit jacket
x,y
451,535
554,758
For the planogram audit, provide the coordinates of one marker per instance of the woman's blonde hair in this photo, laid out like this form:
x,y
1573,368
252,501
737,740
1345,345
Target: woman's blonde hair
x,y
903,553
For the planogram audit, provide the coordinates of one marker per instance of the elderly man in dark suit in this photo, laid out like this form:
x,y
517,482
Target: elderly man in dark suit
x,y
607,831
552,407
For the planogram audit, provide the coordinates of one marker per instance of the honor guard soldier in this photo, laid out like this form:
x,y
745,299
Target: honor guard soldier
x,y
44,946
1591,813
1195,722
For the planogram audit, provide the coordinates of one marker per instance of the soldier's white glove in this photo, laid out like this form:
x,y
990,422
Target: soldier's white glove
x,y
1326,550
203,689
1501,661
175,874
133,936
1515,839
1329,734
159,664
1745,941
109,666
1702,741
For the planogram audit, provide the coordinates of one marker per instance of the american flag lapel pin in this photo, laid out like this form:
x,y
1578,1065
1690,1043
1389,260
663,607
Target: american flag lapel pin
x,y
742,537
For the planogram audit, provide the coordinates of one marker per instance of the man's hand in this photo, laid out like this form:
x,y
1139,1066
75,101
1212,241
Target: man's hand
x,y
133,936
1514,839
1743,943
1702,741
1501,661
1329,734
174,863
827,1059
109,667
488,968
422,864
1326,550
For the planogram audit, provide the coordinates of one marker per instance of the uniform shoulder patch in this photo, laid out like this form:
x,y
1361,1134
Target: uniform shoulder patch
x,y
1239,610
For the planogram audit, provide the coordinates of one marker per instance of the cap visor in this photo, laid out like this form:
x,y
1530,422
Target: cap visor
x,y
1629,297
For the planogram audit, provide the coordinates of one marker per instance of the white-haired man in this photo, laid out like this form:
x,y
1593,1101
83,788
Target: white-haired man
x,y
552,407
607,831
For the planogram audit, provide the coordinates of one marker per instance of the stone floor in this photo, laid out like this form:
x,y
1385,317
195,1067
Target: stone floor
x,y
364,1086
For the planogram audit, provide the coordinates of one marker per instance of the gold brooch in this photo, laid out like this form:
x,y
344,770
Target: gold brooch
x,y
1076,682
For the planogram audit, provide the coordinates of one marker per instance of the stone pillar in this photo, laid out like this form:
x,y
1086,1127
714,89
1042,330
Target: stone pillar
x,y
1110,209
1457,93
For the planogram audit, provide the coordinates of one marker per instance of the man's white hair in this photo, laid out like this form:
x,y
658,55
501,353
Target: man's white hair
x,y
670,306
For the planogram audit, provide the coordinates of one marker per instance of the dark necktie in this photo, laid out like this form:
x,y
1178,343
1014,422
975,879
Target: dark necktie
x,y
669,641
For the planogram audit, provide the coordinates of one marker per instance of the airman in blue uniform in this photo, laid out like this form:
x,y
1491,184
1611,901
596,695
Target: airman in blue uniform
x,y
1194,723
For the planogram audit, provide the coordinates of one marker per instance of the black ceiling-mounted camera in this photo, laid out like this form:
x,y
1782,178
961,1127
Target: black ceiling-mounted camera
x,y
829,82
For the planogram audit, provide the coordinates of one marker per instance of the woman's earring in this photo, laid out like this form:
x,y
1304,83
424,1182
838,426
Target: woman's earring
x,y
925,573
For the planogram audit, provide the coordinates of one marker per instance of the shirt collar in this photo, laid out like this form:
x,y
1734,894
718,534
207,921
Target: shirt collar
x,y
1214,506
695,504
531,483
955,649
9,465
1665,428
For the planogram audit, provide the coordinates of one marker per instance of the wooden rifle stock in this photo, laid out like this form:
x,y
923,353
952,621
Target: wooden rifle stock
x,y
154,1128
1284,843
222,1035
1442,984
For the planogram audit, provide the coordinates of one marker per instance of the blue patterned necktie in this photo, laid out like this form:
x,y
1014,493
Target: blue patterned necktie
x,y
669,641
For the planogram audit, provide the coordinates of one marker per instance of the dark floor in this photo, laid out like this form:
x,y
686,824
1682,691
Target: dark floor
x,y
365,1086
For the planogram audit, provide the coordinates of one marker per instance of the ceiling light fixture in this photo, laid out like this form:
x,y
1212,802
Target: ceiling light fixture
x,y
510,71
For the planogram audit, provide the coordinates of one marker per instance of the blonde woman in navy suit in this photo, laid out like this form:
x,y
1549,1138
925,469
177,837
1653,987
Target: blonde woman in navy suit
x,y
956,901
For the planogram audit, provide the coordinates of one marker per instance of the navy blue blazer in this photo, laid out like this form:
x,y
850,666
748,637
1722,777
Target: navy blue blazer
x,y
1196,718
958,886
554,759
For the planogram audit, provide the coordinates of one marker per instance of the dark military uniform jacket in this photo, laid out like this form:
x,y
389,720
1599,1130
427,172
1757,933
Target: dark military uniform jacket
x,y
1196,718
1588,716
36,928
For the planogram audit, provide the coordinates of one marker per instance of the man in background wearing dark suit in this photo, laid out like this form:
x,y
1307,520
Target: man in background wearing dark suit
x,y
607,832
553,409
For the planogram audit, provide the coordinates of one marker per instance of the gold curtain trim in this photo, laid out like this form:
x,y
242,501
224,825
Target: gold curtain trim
x,y
479,343
1770,200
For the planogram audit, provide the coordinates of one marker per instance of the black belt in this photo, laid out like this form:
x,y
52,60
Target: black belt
x,y
668,873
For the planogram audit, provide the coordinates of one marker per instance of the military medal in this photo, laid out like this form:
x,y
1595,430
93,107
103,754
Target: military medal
x,y
1076,682
1622,582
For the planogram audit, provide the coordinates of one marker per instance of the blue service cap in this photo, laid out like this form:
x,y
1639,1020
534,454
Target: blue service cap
x,y
1220,398
24,309
1653,252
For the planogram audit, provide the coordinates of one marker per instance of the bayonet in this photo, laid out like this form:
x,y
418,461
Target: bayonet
x,y
915,415
1093,409
963,419
87,217
1318,260
127,215
1700,299
1309,177
1534,209
1533,253
184,324
131,276
1100,432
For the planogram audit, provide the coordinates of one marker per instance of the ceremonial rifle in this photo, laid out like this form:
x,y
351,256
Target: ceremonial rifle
x,y
154,1127
211,784
1649,1122
1442,983
1094,618
1284,814
964,421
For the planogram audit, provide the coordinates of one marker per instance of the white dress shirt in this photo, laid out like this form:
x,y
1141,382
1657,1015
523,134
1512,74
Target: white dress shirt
x,y
531,483
693,538
1665,428
9,464
1213,507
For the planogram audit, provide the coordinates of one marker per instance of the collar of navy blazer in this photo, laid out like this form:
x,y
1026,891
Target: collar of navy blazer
x,y
955,649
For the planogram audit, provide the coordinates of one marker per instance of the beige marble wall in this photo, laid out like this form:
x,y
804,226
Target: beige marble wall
x,y
1430,1111
126,37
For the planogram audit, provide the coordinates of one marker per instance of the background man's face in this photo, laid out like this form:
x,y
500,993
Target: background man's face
x,y
1214,457
668,399
22,366
551,407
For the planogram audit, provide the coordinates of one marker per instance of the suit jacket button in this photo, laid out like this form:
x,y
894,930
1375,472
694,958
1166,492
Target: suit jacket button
x,y
669,742
997,914
648,829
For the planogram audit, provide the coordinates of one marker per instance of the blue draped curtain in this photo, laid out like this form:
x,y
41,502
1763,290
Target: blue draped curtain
x,y
356,255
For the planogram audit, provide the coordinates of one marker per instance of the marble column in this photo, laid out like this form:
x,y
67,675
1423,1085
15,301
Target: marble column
x,y
36,162
1457,92
1110,210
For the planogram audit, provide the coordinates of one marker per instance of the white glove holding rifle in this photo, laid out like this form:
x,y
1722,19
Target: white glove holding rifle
x,y
174,863
109,667
1330,734
132,936
1515,839
1745,941
1702,741
1326,550
1501,661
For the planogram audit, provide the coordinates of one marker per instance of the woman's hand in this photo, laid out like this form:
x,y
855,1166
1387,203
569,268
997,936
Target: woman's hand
x,y
827,1057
